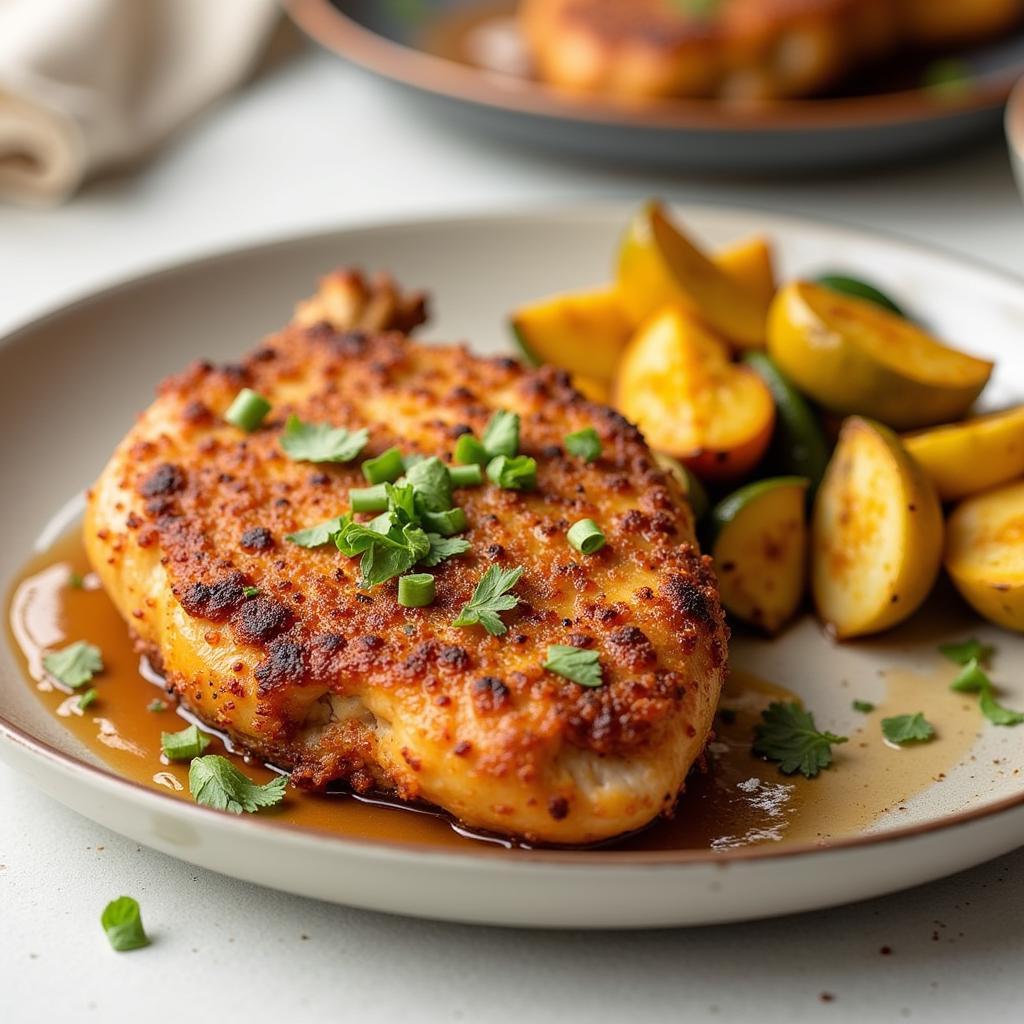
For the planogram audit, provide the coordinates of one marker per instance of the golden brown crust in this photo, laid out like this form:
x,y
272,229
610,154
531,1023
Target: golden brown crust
x,y
191,511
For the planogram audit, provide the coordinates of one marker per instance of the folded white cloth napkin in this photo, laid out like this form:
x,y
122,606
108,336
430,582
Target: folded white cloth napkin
x,y
87,84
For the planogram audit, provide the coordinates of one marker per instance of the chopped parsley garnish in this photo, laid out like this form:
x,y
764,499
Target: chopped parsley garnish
x,y
974,679
582,667
446,523
432,484
490,598
442,548
384,554
85,699
315,536
156,705
251,591
76,581
863,706
902,729
584,443
501,435
122,921
787,734
963,652
215,782
74,665
320,442
513,473
183,745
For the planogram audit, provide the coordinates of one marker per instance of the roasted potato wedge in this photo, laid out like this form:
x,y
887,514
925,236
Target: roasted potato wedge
x,y
659,266
876,535
750,263
583,332
854,357
971,456
760,550
677,383
985,554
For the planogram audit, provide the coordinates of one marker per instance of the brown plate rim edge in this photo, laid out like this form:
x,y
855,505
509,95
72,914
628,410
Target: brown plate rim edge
x,y
591,858
338,32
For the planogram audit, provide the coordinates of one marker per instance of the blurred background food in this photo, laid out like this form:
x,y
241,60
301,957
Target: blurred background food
x,y
742,49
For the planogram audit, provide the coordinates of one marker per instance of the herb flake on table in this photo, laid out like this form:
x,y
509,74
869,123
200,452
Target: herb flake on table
x,y
863,706
122,921
787,734
215,782
915,728
74,665
963,652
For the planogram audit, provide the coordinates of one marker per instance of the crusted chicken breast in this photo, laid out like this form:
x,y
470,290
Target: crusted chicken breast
x,y
280,647
739,49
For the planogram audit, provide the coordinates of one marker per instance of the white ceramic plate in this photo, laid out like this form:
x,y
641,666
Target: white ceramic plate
x,y
71,382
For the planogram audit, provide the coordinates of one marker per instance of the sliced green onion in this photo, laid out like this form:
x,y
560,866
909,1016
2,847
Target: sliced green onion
x,y
248,410
586,536
122,922
369,499
446,523
416,590
469,451
466,476
385,468
87,698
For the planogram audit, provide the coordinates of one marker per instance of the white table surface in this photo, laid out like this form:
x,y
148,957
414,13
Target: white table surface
x,y
316,144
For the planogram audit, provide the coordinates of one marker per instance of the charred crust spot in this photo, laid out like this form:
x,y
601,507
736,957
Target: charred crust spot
x,y
454,657
260,620
196,413
462,748
688,600
631,646
371,642
165,480
490,694
285,664
215,601
457,430
558,808
257,538
494,552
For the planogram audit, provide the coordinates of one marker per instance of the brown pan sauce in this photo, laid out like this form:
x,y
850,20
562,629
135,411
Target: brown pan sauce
x,y
733,799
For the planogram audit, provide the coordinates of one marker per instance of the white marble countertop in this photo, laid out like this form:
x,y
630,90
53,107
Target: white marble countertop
x,y
313,145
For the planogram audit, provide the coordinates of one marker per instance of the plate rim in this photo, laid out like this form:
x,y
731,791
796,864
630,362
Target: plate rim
x,y
101,776
334,30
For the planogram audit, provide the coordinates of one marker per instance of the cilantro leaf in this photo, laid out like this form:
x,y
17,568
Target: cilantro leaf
x,y
401,505
501,435
902,729
972,678
384,554
122,921
215,782
995,712
156,705
432,483
584,443
183,745
863,706
320,442
518,473
489,599
788,735
583,667
251,591
969,649
442,548
75,664
321,533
